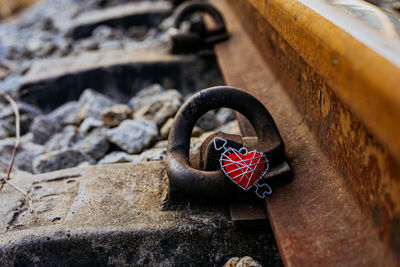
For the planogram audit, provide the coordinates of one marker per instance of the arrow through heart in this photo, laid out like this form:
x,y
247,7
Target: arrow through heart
x,y
244,168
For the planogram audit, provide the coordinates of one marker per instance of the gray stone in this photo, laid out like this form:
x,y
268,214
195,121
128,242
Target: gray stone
x,y
67,113
231,127
34,44
137,32
26,138
116,157
225,115
196,142
85,164
65,47
123,15
4,72
94,144
60,159
64,139
248,262
89,124
242,262
143,97
114,115
103,33
161,144
164,131
160,107
26,152
208,122
46,50
88,44
232,262
133,135
27,113
23,108
3,132
92,104
43,127
111,45
197,131
6,129
153,154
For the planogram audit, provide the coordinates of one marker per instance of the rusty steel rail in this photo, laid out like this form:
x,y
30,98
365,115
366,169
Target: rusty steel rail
x,y
335,98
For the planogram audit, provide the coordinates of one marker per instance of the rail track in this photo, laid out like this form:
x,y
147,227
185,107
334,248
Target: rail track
x,y
330,78
329,74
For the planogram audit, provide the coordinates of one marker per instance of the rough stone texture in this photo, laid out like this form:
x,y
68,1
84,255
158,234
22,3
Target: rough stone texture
x,y
137,13
231,127
197,131
6,129
59,159
92,104
164,131
27,151
232,262
3,131
161,144
116,157
27,114
43,127
67,113
64,139
89,124
104,215
208,122
242,262
153,154
196,142
133,135
137,32
120,73
145,95
94,144
248,262
85,164
225,115
160,107
114,115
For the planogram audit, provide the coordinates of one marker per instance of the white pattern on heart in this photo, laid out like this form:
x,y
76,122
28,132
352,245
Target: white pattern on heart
x,y
262,190
241,165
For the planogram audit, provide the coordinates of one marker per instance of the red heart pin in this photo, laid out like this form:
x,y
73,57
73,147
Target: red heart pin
x,y
242,167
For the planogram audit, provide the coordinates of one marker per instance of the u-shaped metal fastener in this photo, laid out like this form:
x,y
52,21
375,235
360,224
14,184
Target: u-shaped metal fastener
x,y
192,41
186,182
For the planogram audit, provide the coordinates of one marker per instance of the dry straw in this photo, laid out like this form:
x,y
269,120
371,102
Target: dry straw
x,y
16,144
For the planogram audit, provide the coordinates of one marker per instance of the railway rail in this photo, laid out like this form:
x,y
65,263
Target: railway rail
x,y
330,78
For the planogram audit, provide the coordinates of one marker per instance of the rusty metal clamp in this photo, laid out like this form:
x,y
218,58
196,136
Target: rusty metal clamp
x,y
186,182
198,36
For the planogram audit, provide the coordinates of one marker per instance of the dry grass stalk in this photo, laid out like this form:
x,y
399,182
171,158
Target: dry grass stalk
x,y
14,153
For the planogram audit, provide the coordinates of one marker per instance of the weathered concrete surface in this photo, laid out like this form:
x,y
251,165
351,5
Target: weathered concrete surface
x,y
112,214
121,73
148,14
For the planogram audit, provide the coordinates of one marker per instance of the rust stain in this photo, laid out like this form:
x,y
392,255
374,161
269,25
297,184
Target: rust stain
x,y
371,170
362,79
